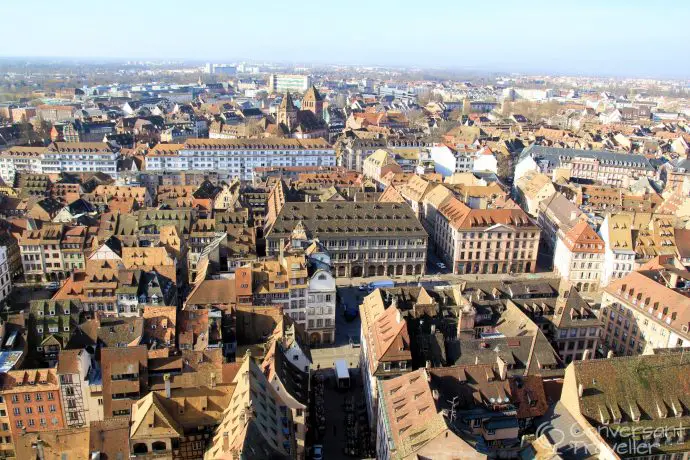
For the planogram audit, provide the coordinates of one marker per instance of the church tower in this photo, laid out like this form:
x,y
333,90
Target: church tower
x,y
287,112
313,102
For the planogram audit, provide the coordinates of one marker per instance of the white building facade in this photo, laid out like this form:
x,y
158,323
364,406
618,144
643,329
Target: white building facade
x,y
239,157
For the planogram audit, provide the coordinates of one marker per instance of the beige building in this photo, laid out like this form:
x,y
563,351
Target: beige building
x,y
532,189
256,423
482,241
646,310
579,257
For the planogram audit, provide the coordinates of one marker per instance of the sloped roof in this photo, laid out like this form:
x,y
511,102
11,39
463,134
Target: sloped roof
x,y
150,419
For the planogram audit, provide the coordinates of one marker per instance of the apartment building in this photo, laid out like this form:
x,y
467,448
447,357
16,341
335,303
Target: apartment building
x,y
53,252
353,152
302,285
20,159
33,402
609,168
619,254
411,425
557,215
80,157
482,241
640,393
385,344
579,257
6,443
125,379
576,328
362,238
257,423
280,83
645,310
449,160
239,157
54,322
531,189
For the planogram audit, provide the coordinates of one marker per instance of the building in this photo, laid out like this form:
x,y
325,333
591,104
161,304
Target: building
x,y
5,275
411,425
33,401
80,157
256,423
481,240
579,257
290,376
302,284
645,394
386,349
619,255
533,188
239,157
601,166
378,164
20,159
557,216
125,379
362,238
645,310
73,368
449,160
575,328
280,83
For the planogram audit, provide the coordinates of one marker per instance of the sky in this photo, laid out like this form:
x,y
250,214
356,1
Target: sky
x,y
604,37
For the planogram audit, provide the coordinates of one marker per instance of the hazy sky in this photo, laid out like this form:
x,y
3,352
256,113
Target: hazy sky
x,y
609,37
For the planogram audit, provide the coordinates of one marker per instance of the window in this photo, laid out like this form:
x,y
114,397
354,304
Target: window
x,y
50,396
27,398
17,411
52,408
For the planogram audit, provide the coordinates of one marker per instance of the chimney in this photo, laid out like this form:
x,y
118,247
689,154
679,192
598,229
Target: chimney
x,y
226,441
166,378
585,355
434,394
579,390
213,379
281,254
609,355
502,368
573,215
427,364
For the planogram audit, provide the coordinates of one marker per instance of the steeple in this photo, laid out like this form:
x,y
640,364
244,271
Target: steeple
x,y
287,112
313,102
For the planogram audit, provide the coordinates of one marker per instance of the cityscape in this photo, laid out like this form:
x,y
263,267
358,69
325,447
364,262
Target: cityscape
x,y
293,255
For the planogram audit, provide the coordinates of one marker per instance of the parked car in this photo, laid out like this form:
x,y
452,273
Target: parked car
x,y
441,265
363,287
317,452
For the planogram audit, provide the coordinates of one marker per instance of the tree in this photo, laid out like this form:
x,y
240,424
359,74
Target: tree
x,y
417,118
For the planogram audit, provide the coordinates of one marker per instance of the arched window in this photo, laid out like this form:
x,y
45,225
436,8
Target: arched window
x,y
158,446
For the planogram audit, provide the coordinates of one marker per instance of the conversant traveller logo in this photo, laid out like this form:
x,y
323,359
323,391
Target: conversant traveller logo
x,y
623,440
